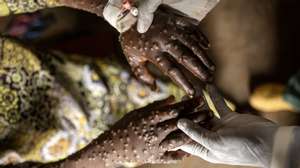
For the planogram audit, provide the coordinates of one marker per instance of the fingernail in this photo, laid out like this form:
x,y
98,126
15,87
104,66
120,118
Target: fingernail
x,y
212,68
191,93
174,112
208,45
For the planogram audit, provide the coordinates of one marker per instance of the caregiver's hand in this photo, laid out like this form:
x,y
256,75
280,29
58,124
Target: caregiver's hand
x,y
235,139
172,41
123,14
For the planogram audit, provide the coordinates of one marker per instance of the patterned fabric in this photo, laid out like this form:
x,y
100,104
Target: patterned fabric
x,y
52,105
3,8
23,6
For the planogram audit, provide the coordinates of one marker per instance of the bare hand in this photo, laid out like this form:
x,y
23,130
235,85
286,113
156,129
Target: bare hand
x,y
171,41
136,138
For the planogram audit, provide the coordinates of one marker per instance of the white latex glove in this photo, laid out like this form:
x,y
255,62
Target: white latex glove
x,y
196,9
144,14
235,139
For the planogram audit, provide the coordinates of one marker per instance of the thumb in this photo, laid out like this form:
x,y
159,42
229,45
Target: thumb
x,y
196,133
144,21
146,11
196,150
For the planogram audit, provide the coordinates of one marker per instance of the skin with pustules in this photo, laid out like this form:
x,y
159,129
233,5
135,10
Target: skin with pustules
x,y
172,40
100,151
136,139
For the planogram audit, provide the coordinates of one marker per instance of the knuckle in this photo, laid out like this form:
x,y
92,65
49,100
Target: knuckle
x,y
197,149
173,71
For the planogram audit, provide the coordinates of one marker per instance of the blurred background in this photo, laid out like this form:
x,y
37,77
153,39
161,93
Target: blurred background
x,y
253,43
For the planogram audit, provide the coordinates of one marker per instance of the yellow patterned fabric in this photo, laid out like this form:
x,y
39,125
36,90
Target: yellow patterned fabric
x,y
52,105
23,6
269,98
3,8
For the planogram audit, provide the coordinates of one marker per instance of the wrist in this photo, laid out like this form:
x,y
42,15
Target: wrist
x,y
93,155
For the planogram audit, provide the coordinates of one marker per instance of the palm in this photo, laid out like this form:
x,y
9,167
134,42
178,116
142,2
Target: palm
x,y
235,139
239,139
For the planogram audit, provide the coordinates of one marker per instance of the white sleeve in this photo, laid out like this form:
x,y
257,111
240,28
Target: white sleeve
x,y
286,148
196,9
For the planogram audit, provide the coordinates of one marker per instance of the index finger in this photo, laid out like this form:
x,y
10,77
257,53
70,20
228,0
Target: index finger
x,y
181,109
173,72
161,103
189,106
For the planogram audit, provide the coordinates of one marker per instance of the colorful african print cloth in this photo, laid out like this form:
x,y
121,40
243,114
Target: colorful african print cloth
x,y
23,6
52,105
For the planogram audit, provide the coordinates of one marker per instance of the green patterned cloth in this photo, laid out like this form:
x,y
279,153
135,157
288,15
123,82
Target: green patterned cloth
x,y
23,6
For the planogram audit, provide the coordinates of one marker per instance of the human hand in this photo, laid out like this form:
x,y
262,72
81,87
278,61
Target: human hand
x,y
235,139
136,138
171,41
123,14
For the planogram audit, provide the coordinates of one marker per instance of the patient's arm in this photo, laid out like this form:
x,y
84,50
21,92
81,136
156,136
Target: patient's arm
x,y
135,139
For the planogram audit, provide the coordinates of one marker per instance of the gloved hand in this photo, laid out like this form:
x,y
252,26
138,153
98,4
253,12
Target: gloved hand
x,y
235,139
143,14
196,9
142,11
